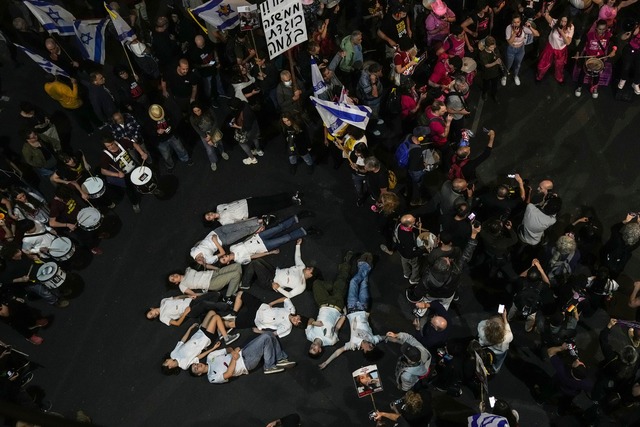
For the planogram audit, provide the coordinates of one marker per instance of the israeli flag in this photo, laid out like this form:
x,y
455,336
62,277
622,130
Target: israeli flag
x,y
222,14
125,33
319,86
336,115
90,34
45,64
53,18
487,420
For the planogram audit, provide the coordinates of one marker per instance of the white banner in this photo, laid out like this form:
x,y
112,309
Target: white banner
x,y
283,25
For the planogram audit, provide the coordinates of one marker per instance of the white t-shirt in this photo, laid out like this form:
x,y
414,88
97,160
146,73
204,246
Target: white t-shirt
x,y
172,309
186,353
194,279
243,250
327,332
276,318
219,362
555,39
207,248
519,40
233,212
292,277
360,330
40,238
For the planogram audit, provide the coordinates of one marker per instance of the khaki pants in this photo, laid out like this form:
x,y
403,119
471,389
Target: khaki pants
x,y
229,275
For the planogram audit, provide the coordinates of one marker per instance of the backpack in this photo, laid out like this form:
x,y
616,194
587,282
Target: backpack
x,y
394,104
455,171
561,269
527,300
402,152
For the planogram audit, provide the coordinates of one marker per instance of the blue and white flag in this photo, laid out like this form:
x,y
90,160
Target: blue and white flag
x,y
319,85
90,34
222,14
45,64
125,33
487,420
336,115
52,17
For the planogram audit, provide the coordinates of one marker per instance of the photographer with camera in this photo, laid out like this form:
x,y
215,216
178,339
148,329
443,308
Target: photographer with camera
x,y
498,237
457,107
413,409
503,202
462,165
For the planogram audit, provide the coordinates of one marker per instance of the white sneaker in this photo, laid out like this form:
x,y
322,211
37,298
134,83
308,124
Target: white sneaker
x,y
225,156
636,89
578,92
5,98
259,153
594,94
249,161
516,79
376,133
214,167
621,84
380,122
503,81
254,161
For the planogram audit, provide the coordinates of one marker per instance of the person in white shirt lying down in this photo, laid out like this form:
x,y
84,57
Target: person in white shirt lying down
x,y
191,348
238,210
206,251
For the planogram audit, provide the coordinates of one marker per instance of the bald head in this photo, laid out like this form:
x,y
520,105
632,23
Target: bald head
x,y
50,44
459,184
545,186
439,323
408,220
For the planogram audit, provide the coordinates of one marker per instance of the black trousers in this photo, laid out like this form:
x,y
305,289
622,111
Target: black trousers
x,y
261,270
258,206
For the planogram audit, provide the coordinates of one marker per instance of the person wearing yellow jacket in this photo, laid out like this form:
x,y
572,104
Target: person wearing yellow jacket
x,y
69,98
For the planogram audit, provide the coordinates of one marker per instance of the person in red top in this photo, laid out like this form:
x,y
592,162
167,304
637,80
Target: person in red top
x,y
631,60
599,45
444,69
438,125
404,61
455,43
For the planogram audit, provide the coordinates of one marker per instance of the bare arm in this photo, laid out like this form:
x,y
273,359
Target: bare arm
x,y
634,301
181,319
335,354
216,242
340,322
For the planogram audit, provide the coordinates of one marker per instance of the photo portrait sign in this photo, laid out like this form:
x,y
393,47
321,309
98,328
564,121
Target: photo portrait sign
x,y
367,380
283,25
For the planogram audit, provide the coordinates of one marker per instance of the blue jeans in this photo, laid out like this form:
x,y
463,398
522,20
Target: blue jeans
x,y
358,296
307,159
231,233
416,183
514,57
50,296
165,149
266,345
212,152
271,238
359,184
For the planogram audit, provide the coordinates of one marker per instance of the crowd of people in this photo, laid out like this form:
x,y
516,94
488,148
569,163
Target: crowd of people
x,y
416,65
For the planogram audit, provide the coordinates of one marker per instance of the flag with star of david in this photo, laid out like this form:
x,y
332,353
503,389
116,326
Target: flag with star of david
x,y
125,33
90,34
52,17
45,64
222,14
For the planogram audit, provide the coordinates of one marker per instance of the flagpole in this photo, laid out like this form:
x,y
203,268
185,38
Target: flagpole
x,y
197,22
61,48
293,74
129,61
255,46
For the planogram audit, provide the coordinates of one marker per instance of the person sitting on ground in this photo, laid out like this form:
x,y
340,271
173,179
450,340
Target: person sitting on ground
x,y
189,350
358,301
224,364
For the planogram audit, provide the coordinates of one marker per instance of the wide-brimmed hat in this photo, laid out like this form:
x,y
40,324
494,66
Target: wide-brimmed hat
x,y
439,8
156,112
468,65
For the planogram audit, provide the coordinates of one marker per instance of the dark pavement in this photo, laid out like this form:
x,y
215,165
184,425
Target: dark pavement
x,y
103,356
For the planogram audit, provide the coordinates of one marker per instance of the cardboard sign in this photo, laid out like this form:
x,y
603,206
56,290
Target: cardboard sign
x,y
283,24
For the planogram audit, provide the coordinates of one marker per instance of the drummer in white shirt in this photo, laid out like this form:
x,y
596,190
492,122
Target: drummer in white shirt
x,y
37,237
238,210
189,350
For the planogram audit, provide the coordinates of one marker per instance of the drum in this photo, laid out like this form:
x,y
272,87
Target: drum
x,y
142,178
94,186
593,66
89,219
51,275
61,249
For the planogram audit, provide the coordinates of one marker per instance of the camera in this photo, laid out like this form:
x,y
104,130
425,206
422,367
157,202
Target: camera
x,y
571,347
511,175
372,415
397,404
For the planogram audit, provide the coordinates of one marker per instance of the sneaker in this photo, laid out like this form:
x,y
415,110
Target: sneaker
x,y
268,219
5,98
259,153
503,81
230,316
516,79
244,288
636,89
411,282
225,156
190,162
385,249
594,94
273,370
297,198
380,122
376,133
348,256
96,251
36,340
305,214
111,205
136,208
214,167
231,338
254,152
578,92
248,161
285,363
366,257
312,231
621,84
62,303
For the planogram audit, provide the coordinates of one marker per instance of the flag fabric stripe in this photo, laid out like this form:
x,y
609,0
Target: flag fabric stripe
x,y
94,29
45,64
222,14
125,33
335,115
53,18
319,86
